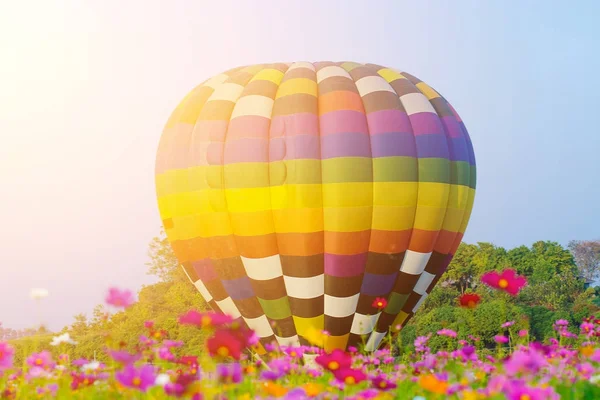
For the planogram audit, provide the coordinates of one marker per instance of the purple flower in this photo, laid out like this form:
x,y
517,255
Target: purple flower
x,y
296,394
139,378
508,324
164,353
47,390
524,362
229,373
124,357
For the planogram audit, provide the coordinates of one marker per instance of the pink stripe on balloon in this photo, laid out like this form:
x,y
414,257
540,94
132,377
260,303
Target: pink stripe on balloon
x,y
426,123
246,150
386,121
294,124
343,121
248,126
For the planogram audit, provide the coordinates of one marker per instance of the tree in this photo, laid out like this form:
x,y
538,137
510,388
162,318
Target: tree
x,y
587,257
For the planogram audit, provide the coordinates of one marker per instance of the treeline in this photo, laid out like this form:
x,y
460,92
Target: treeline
x,y
556,290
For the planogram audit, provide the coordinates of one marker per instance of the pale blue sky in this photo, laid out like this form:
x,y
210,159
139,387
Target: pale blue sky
x,y
86,88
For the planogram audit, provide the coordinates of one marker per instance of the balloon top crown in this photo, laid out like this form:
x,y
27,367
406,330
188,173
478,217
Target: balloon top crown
x,y
315,197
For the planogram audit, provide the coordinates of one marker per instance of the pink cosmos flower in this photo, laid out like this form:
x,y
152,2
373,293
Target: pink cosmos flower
x,y
350,376
382,383
523,332
447,332
507,281
119,298
40,360
508,324
336,360
139,378
500,339
48,390
522,361
124,357
7,354
204,320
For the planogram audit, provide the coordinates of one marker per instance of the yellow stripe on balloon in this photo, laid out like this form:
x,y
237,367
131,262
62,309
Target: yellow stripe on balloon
x,y
387,218
268,74
297,86
429,218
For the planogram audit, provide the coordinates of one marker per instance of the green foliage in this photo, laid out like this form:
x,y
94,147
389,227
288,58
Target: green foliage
x,y
555,290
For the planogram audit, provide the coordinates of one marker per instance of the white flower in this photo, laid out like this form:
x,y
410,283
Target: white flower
x,y
38,293
64,338
595,379
94,365
162,379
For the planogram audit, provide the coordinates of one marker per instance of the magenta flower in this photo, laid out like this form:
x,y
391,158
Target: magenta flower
x,y
138,378
164,353
40,360
204,320
48,390
447,332
587,328
507,281
119,298
382,383
500,339
523,332
7,354
508,324
524,362
229,373
124,357
337,359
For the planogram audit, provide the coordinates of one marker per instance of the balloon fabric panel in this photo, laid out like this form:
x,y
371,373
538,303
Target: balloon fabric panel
x,y
296,194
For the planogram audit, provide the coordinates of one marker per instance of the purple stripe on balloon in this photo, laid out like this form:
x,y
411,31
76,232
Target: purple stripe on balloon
x,y
345,145
393,144
426,123
377,285
238,289
295,124
458,149
345,266
343,121
434,145
246,150
452,127
205,269
385,121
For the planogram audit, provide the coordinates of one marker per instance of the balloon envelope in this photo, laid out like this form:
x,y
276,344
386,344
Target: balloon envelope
x,y
299,195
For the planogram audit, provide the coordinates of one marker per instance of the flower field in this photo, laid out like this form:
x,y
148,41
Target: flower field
x,y
565,367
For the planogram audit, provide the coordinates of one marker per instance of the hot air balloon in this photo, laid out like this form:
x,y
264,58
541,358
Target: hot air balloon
x,y
296,194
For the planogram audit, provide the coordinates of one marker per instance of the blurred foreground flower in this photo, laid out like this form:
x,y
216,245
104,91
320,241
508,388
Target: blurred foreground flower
x,y
139,378
119,298
64,338
7,354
